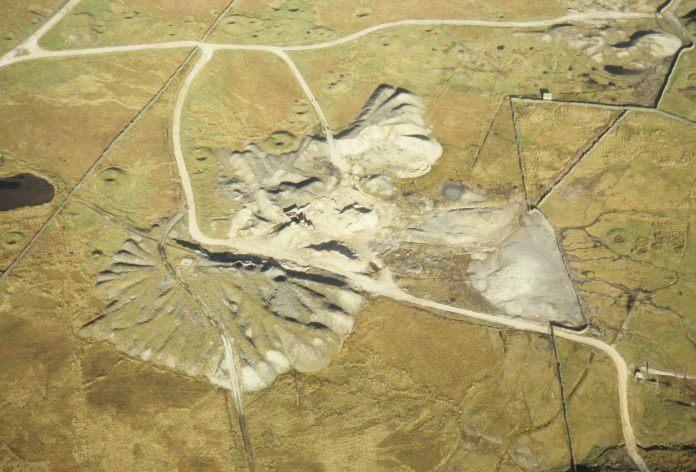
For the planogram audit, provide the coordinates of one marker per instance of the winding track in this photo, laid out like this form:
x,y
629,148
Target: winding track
x,y
30,50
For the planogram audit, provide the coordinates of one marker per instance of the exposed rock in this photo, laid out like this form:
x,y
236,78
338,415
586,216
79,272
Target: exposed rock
x,y
278,318
654,43
390,136
524,277
172,308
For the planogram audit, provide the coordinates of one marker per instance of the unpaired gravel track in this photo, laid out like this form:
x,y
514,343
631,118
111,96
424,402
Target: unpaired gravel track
x,y
385,286
30,50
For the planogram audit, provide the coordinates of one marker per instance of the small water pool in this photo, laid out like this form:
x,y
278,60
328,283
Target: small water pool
x,y
23,190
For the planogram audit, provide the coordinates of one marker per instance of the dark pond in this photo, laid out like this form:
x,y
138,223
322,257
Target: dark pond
x,y
620,70
691,17
22,190
634,39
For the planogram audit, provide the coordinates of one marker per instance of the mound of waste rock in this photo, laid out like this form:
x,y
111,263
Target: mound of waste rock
x,y
172,299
